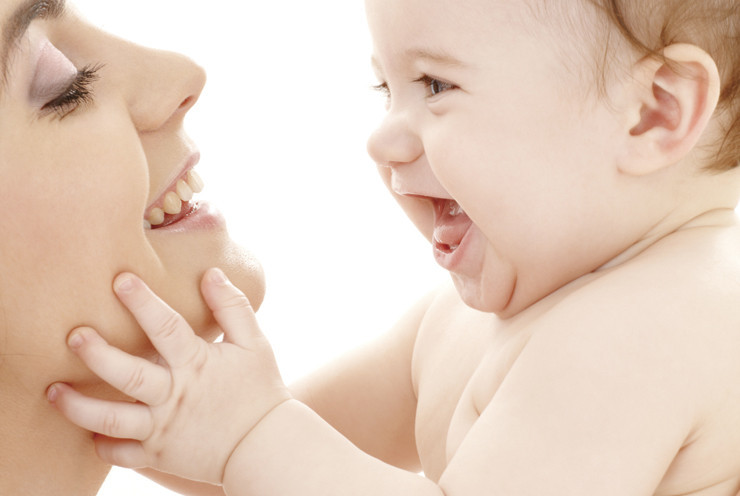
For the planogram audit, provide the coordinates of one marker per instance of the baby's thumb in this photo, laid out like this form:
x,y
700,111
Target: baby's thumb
x,y
231,308
121,452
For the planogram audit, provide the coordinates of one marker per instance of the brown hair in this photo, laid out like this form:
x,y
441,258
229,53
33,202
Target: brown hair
x,y
713,25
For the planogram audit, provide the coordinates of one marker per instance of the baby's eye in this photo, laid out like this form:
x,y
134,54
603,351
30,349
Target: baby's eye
x,y
435,86
382,88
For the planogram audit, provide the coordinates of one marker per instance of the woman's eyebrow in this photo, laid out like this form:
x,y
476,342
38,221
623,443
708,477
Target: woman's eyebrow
x,y
17,24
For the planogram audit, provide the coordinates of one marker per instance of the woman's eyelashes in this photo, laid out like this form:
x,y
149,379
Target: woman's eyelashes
x,y
74,95
58,86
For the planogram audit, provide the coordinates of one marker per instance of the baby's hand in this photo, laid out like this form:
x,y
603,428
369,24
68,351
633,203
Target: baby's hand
x,y
193,407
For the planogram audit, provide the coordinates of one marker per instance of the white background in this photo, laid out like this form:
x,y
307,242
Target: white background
x,y
282,126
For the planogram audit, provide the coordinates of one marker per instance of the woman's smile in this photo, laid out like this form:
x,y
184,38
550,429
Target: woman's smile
x,y
175,203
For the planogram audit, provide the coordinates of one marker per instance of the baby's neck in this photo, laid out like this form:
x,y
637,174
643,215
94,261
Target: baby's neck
x,y
41,453
718,218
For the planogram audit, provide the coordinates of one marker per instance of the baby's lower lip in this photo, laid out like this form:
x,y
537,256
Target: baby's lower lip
x,y
451,226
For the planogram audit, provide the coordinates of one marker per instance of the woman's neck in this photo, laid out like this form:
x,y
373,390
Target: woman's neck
x,y
41,452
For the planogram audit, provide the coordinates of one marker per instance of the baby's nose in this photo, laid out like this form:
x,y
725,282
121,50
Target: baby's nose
x,y
393,143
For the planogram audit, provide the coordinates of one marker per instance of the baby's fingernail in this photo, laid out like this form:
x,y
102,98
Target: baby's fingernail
x,y
124,284
75,340
52,393
218,276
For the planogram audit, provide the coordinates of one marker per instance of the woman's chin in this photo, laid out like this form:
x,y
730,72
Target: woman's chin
x,y
246,273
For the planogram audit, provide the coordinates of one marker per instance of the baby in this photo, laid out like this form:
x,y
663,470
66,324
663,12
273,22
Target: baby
x,y
574,165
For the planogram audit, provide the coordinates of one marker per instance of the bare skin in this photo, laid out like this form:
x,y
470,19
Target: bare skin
x,y
588,345
450,383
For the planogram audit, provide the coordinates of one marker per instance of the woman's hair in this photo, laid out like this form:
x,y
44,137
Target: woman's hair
x,y
713,25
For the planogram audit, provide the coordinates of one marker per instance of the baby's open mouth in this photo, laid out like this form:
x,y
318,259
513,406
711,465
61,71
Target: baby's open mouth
x,y
175,204
451,224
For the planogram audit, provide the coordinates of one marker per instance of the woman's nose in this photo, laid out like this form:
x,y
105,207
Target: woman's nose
x,y
163,87
393,142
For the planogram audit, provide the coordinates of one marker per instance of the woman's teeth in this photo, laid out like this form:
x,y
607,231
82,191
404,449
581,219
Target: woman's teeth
x,y
455,209
173,200
184,191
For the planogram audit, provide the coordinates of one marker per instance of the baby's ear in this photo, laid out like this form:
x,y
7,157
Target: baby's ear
x,y
670,104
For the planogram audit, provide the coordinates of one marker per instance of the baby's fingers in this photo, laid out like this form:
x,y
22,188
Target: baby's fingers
x,y
110,418
134,376
122,452
231,308
170,334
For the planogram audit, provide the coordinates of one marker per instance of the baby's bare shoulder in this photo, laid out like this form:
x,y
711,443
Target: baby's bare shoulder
x,y
690,277
670,317
675,307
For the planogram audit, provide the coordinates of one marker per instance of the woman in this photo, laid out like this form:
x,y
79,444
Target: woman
x,y
91,150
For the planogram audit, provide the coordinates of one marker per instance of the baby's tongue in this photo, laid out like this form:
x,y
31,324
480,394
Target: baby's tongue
x,y
450,224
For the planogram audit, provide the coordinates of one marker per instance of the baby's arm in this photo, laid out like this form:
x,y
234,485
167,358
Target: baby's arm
x,y
169,428
593,418
367,395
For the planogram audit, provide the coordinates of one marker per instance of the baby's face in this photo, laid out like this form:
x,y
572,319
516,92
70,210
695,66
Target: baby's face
x,y
492,147
79,178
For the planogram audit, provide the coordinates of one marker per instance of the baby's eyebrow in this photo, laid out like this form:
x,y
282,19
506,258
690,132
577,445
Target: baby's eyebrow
x,y
432,56
440,58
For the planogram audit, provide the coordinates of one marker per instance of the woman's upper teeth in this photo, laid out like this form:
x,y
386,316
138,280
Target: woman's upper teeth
x,y
172,203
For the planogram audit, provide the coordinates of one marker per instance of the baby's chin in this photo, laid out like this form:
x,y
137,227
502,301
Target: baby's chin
x,y
490,285
483,299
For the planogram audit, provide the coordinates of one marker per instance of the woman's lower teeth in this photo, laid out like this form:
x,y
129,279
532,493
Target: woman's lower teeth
x,y
173,200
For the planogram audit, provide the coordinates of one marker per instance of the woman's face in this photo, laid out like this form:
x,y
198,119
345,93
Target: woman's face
x,y
91,142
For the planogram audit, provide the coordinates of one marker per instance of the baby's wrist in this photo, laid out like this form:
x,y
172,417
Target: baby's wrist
x,y
241,449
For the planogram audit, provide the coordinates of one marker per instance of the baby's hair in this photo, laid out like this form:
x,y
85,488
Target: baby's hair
x,y
713,25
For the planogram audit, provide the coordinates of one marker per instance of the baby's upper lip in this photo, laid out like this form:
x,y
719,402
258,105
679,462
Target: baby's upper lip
x,y
422,187
186,165
420,195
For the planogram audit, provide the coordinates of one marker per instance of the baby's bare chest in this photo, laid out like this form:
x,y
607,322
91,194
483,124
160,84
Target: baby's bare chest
x,y
458,374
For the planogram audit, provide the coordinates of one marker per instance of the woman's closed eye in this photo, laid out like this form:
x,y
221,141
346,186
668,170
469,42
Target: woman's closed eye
x,y
77,93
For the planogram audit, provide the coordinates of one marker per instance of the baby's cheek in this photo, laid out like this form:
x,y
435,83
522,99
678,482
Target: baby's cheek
x,y
419,211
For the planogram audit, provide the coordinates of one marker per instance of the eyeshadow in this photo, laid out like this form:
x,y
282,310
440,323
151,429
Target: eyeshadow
x,y
53,74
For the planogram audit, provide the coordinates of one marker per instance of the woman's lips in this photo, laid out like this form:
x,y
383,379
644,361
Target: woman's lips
x,y
202,217
176,203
